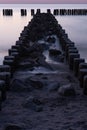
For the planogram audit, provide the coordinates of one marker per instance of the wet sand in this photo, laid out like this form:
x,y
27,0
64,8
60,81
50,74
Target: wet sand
x,y
53,112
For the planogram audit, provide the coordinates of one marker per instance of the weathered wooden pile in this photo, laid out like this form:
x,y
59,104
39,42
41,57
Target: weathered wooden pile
x,y
42,24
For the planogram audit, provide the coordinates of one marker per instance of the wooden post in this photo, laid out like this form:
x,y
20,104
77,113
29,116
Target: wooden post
x,y
82,73
71,59
32,12
77,62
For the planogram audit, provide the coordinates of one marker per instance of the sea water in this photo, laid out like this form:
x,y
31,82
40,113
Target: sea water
x,y
11,26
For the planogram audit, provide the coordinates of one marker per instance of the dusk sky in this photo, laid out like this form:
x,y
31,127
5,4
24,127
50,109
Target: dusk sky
x,y
43,1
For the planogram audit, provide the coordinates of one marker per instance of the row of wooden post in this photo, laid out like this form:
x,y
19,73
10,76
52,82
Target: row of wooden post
x,y
63,11
70,12
9,12
10,64
72,56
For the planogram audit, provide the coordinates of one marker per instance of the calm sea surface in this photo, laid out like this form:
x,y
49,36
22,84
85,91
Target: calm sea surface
x,y
11,26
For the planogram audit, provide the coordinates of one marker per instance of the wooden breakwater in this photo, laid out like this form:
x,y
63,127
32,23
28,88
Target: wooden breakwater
x,y
70,12
62,11
42,24
65,11
23,12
